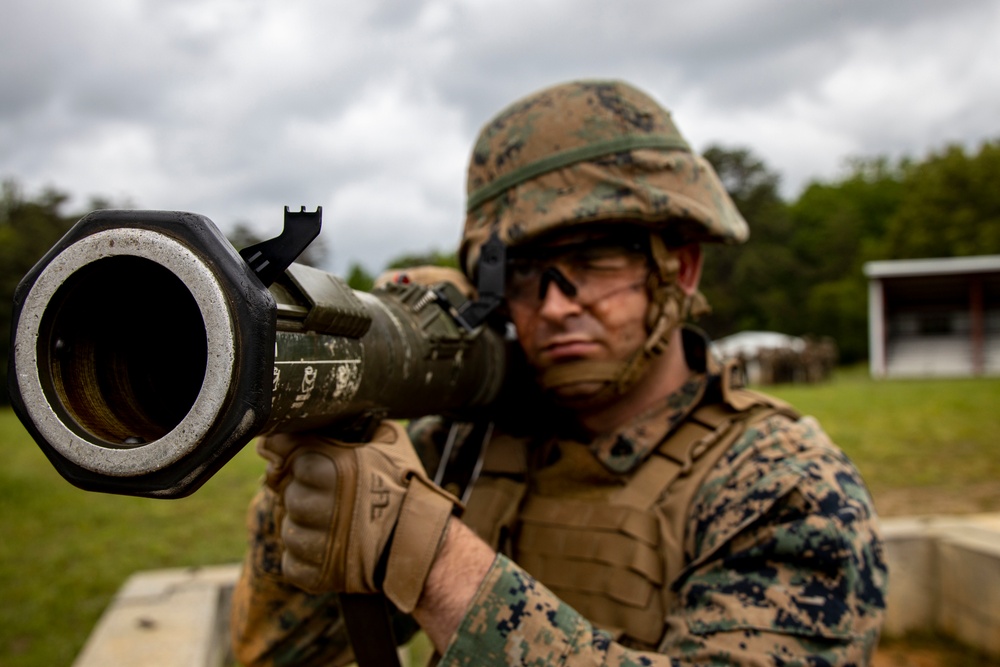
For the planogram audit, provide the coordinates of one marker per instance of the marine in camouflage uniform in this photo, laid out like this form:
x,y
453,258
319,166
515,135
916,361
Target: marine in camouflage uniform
x,y
716,527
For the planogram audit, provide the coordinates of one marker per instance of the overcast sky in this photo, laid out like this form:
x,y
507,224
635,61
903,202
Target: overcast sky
x,y
235,108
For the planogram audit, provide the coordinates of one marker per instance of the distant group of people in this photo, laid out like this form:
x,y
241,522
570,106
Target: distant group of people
x,y
813,362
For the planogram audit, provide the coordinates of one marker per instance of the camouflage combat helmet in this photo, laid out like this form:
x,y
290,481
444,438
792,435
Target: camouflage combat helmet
x,y
588,152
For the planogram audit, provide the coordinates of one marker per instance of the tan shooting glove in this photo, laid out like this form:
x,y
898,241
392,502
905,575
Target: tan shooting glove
x,y
342,506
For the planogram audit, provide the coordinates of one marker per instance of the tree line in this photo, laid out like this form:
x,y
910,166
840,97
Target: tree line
x,y
800,273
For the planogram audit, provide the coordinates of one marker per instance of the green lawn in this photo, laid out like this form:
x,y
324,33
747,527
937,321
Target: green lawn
x,y
65,552
909,433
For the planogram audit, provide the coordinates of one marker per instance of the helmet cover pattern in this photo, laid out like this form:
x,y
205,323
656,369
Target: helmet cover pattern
x,y
590,151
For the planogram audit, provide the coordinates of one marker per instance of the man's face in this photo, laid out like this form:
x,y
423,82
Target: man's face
x,y
580,297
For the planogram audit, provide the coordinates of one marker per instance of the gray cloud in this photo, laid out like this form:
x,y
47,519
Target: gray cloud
x,y
234,108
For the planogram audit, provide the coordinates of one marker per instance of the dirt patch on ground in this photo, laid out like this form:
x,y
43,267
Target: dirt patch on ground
x,y
928,651
968,499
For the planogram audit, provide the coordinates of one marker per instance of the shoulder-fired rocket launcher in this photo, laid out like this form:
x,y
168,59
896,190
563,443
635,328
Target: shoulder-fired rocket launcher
x,y
146,351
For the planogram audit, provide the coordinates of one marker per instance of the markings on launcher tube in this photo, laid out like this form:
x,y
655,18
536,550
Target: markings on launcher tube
x,y
274,387
307,386
310,373
308,381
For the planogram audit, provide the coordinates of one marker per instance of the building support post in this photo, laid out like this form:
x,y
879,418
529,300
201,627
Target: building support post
x,y
876,329
978,325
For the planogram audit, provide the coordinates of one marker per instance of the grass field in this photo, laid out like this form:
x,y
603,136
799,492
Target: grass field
x,y
65,552
928,441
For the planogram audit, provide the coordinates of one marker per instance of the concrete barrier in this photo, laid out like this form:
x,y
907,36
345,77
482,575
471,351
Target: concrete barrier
x,y
912,589
165,618
969,587
169,618
944,576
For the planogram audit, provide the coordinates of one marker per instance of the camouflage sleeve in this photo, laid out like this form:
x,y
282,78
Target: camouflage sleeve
x,y
514,620
786,559
274,623
786,567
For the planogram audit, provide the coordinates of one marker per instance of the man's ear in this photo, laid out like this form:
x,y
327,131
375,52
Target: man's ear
x,y
689,274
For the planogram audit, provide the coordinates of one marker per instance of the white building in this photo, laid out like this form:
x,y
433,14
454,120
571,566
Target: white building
x,y
934,317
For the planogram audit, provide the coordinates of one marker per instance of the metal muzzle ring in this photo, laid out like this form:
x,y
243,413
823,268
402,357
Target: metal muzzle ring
x,y
104,457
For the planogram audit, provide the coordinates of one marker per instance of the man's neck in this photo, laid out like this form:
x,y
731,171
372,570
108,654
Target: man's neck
x,y
666,374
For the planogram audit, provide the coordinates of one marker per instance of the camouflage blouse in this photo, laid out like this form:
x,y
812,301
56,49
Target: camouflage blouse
x,y
784,565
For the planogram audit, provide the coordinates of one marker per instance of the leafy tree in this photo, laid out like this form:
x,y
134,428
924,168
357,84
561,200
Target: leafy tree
x,y
359,279
753,286
431,258
753,187
838,227
28,228
241,235
950,206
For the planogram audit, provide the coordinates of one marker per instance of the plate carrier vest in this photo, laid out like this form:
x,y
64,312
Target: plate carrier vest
x,y
612,545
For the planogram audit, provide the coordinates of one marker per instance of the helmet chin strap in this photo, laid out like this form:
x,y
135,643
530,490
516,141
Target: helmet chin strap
x,y
669,306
